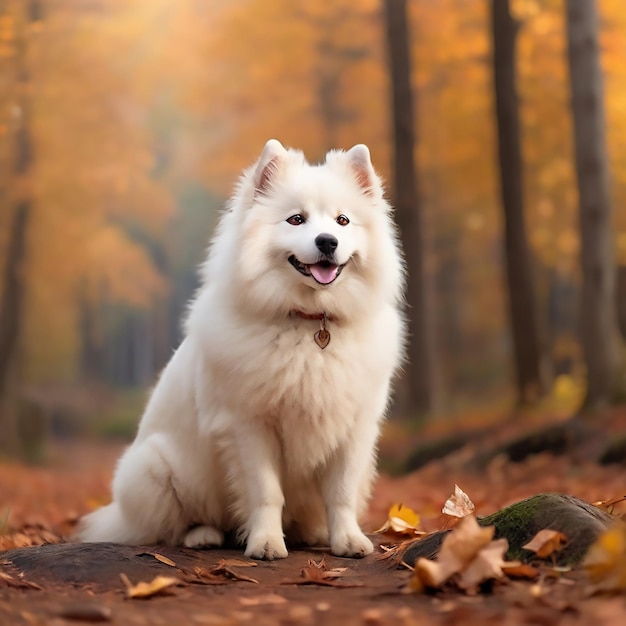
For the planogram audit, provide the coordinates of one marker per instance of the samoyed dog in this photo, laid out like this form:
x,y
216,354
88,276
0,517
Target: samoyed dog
x,y
265,421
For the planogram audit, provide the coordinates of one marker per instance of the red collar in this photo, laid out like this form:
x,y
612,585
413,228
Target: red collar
x,y
311,316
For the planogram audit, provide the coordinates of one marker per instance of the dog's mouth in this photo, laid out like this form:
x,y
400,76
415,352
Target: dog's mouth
x,y
324,272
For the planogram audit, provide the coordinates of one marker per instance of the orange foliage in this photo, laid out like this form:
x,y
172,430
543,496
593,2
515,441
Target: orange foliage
x,y
117,84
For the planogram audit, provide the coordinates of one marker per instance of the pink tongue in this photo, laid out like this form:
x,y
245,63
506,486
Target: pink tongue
x,y
323,274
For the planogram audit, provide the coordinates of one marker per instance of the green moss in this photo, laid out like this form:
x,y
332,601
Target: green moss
x,y
512,523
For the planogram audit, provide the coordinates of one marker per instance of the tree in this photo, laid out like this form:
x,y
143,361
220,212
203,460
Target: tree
x,y
522,313
419,370
599,331
13,287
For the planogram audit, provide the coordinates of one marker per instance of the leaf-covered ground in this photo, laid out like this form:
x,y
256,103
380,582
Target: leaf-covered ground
x,y
40,504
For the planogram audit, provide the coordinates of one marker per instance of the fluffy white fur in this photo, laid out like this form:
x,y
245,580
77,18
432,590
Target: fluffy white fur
x,y
252,427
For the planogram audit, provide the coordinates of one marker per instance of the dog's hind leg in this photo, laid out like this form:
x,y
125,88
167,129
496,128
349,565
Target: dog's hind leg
x,y
203,536
146,508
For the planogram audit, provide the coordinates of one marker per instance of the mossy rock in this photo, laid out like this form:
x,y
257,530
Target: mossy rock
x,y
579,521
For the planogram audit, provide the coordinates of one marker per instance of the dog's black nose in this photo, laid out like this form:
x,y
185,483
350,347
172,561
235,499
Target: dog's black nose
x,y
326,243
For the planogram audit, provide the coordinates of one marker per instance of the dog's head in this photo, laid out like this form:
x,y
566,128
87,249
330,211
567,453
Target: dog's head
x,y
315,238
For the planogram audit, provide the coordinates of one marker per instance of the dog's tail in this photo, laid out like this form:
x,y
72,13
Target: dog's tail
x,y
106,524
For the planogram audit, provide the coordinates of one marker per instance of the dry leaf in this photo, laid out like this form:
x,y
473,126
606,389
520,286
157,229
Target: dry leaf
x,y
459,547
201,576
458,504
605,561
164,559
609,505
487,565
316,573
545,542
147,590
236,563
19,583
516,569
401,520
224,568
468,556
159,557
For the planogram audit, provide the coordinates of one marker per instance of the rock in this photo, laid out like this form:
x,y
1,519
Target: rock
x,y
579,521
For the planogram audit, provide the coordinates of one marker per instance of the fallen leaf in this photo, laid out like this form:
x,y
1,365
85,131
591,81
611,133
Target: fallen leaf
x,y
609,505
159,557
148,589
605,562
486,565
545,542
458,549
516,569
317,573
224,568
164,559
458,504
202,576
237,563
19,583
268,598
401,520
395,552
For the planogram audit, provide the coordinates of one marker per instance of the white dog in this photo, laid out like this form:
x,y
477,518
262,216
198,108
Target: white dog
x,y
265,420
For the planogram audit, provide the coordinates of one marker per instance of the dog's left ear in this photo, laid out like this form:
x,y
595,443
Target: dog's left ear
x,y
268,164
361,163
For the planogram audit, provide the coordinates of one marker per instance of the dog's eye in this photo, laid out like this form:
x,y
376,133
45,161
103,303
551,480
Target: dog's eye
x,y
296,220
342,220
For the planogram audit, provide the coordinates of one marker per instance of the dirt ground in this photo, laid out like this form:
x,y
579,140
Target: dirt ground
x,y
41,504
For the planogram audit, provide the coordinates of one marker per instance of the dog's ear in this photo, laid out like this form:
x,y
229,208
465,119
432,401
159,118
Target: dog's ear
x,y
361,164
268,164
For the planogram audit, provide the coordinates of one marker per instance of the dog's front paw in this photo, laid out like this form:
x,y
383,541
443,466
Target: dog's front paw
x,y
351,544
266,546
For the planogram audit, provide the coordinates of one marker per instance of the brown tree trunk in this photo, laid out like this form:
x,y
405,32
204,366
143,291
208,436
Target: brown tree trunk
x,y
521,296
599,333
13,287
419,371
621,300
11,323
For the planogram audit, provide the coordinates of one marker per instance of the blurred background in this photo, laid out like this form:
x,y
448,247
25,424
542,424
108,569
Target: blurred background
x,y
124,125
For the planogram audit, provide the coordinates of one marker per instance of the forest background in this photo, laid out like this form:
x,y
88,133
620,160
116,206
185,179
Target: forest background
x,y
124,125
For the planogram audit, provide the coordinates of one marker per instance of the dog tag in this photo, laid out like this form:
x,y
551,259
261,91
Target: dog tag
x,y
322,338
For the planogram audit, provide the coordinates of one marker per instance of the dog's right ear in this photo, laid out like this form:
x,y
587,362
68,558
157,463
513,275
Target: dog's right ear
x,y
268,164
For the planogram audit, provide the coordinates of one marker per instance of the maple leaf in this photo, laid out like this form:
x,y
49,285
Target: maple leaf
x,y
458,549
148,589
458,504
317,573
546,542
401,520
605,562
